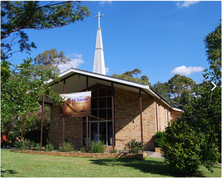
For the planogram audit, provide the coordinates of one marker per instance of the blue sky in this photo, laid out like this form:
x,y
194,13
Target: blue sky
x,y
160,38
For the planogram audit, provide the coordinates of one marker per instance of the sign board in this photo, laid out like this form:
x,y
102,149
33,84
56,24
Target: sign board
x,y
76,104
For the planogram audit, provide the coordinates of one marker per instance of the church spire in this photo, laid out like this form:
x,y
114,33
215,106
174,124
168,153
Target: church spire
x,y
99,62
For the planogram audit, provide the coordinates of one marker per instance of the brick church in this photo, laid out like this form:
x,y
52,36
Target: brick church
x,y
120,110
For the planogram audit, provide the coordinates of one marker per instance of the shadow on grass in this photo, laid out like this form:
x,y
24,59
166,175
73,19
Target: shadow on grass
x,y
146,166
8,172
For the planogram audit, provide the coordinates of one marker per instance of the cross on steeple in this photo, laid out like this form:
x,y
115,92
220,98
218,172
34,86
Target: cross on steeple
x,y
99,62
99,18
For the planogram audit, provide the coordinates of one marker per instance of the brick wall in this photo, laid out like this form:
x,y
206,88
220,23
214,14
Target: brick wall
x,y
127,121
127,118
72,131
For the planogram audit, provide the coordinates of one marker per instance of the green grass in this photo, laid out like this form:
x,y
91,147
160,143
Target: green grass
x,y
30,165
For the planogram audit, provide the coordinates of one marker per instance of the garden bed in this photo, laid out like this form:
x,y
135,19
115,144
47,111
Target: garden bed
x,y
88,155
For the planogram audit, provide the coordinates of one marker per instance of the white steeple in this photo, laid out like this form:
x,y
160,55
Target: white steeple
x,y
99,62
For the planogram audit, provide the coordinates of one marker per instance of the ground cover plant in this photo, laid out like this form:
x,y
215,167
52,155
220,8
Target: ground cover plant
x,y
134,147
66,147
30,165
97,147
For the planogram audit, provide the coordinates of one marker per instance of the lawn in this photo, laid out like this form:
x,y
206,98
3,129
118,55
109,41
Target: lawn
x,y
29,165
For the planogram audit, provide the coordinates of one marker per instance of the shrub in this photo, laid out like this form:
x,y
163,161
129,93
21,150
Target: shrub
x,y
134,146
23,144
37,147
82,149
97,147
185,149
159,139
66,147
113,151
49,147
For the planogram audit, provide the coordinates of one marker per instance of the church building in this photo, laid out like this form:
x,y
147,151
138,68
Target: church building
x,y
120,110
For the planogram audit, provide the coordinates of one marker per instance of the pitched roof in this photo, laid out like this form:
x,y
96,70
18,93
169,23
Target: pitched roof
x,y
145,88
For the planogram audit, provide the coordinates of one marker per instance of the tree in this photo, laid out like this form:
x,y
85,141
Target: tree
x,y
51,59
213,45
180,88
195,139
23,87
128,75
163,90
19,15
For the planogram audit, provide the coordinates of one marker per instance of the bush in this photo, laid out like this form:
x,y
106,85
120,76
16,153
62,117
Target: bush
x,y
113,151
97,147
37,147
159,139
23,144
185,149
49,147
134,146
82,149
66,147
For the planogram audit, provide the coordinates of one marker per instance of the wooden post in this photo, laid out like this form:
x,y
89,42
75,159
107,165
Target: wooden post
x,y
157,121
87,120
113,140
141,122
22,126
63,119
42,123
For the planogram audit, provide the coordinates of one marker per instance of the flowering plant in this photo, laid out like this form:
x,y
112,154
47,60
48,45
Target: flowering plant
x,y
23,144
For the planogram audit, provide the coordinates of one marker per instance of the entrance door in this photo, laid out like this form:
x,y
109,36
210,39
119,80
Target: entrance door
x,y
98,131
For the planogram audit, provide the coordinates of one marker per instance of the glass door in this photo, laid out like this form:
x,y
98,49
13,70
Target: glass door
x,y
102,132
94,131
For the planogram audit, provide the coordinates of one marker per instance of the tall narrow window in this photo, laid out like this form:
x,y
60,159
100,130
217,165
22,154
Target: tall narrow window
x,y
100,121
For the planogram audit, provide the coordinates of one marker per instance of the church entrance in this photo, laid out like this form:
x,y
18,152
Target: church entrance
x,y
100,121
98,131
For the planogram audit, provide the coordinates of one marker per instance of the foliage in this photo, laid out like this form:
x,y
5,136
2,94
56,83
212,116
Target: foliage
x,y
180,87
186,150
51,59
38,147
19,15
66,147
135,147
113,151
163,90
159,138
49,147
82,149
23,144
195,139
97,147
22,90
32,125
213,45
129,75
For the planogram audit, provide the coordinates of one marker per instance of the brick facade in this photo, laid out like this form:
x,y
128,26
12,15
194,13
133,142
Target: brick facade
x,y
155,116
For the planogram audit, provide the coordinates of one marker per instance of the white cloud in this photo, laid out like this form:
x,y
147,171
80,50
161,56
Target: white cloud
x,y
107,69
183,70
104,2
186,3
73,63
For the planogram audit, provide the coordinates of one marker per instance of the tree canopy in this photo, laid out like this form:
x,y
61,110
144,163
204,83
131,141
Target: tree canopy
x,y
129,75
22,87
51,59
19,15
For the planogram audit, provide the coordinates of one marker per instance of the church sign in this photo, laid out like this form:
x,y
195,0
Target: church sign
x,y
76,104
